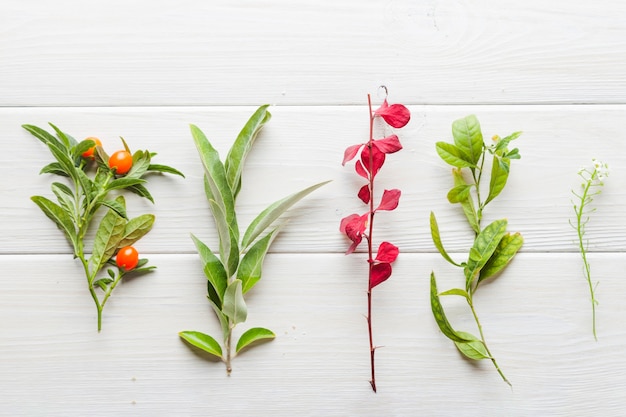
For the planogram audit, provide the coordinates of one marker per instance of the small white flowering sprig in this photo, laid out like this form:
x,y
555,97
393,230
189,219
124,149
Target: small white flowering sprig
x,y
593,180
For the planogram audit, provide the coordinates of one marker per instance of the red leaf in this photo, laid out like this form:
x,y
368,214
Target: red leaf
x,y
350,153
379,273
354,226
387,253
396,115
364,194
360,170
390,200
378,159
389,144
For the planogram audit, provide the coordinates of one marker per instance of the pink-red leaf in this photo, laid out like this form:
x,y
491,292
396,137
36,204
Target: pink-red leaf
x,y
396,115
387,253
390,144
350,153
364,194
354,226
377,159
360,170
390,200
379,273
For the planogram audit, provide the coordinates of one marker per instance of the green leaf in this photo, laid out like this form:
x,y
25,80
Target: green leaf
x,y
216,181
456,291
229,247
485,245
66,163
103,283
241,147
439,314
468,138
136,228
459,193
116,207
473,348
54,168
110,233
273,212
124,182
434,233
141,191
165,169
453,155
141,162
234,305
249,271
468,204
507,248
43,135
82,147
202,341
499,176
503,143
67,140
255,334
58,216
65,197
214,271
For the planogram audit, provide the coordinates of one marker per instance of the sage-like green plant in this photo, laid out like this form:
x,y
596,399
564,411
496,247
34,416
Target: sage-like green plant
x,y
238,267
493,247
593,181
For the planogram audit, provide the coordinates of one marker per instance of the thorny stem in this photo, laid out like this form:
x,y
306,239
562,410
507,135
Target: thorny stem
x,y
369,245
580,228
482,338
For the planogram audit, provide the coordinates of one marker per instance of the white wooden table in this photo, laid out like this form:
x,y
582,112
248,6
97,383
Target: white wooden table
x,y
145,70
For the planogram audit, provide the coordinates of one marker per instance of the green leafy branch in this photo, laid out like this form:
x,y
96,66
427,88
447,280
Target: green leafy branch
x,y
238,267
593,181
80,197
493,246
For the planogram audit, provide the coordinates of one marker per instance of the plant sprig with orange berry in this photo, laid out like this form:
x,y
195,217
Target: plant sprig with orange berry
x,y
81,196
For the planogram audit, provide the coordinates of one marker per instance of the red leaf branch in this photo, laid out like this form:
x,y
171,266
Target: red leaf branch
x,y
372,158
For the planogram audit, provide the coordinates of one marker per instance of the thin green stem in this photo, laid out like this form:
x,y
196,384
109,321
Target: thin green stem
x,y
227,345
580,229
482,338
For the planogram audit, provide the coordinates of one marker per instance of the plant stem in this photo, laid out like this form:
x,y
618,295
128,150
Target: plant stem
x,y
369,245
482,338
227,344
580,228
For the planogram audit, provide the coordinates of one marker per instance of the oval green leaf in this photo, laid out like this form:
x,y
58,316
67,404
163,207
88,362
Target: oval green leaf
x,y
439,314
249,271
256,334
434,233
234,305
202,341
453,155
468,138
473,348
214,271
507,248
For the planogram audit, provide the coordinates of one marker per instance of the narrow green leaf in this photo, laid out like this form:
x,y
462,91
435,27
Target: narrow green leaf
x,y
255,334
453,155
43,135
124,182
434,233
273,212
504,142
165,169
59,216
216,179
214,271
202,341
103,283
507,248
459,193
456,291
141,191
241,147
229,247
136,228
468,138
141,162
116,207
484,246
54,168
234,305
468,204
439,314
249,271
65,197
109,233
65,161
67,140
223,319
499,176
473,348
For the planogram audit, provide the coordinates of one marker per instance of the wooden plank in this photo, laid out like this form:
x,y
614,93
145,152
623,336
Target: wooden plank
x,y
536,317
304,145
191,52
